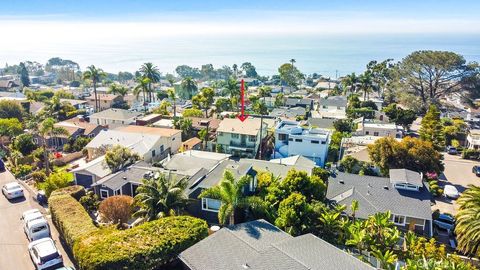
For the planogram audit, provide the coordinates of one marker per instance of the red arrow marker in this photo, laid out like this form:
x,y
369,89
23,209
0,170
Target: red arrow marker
x,y
242,115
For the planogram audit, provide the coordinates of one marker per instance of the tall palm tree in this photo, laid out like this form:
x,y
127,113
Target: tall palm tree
x,y
366,84
387,259
354,208
173,97
150,71
47,130
468,222
350,82
232,89
160,197
189,86
96,75
117,89
292,62
230,193
141,87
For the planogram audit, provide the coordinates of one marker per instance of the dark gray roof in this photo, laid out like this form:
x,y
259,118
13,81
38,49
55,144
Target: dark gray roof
x,y
322,122
258,245
373,197
190,164
288,112
405,176
238,169
298,101
339,101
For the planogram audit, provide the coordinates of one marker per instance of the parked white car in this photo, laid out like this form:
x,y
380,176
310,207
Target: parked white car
x,y
37,229
451,192
44,254
31,215
12,190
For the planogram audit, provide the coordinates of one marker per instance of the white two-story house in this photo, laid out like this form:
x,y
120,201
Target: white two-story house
x,y
292,139
333,107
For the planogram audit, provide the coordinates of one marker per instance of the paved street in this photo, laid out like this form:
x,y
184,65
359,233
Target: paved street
x,y
13,242
458,172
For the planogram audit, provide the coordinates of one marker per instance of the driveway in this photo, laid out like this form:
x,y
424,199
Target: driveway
x,y
13,242
458,172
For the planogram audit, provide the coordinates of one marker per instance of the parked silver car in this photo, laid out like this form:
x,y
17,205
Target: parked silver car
x,y
44,254
12,190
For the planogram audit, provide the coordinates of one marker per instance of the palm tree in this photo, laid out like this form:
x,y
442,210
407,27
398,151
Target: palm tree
x,y
173,97
47,130
468,223
235,70
148,70
350,82
292,61
117,89
387,259
230,193
330,224
232,89
96,75
189,86
142,86
354,208
160,197
366,84
357,237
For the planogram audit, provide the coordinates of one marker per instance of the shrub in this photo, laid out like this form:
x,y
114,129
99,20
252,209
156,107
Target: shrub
x,y
55,181
39,176
148,246
77,192
470,154
117,209
70,218
21,170
67,148
90,201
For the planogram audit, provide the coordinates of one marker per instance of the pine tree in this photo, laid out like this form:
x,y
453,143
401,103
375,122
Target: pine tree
x,y
432,129
24,75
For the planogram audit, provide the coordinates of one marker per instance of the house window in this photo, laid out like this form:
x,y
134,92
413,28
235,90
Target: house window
x,y
367,133
324,142
161,149
339,108
298,140
211,204
98,121
315,142
398,220
153,153
324,106
117,192
375,133
234,136
290,139
252,138
220,133
103,193
282,137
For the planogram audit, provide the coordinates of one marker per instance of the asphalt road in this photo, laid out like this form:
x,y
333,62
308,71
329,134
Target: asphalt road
x,y
13,242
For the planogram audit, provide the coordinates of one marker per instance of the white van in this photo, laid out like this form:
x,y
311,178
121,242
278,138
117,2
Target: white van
x,y
37,229
31,215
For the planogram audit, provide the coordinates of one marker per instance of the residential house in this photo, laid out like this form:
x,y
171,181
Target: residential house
x,y
164,123
379,129
171,138
192,144
87,174
75,127
151,146
259,245
148,119
113,118
473,139
357,147
107,101
292,139
299,102
332,107
199,123
403,194
8,85
325,123
76,103
241,138
293,113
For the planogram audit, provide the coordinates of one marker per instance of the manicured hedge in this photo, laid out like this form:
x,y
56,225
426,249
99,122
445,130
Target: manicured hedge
x,y
70,218
75,191
147,246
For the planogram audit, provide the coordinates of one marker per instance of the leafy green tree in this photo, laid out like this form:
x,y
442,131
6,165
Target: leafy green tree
x,y
185,71
24,143
223,104
116,209
189,86
148,70
192,113
400,116
279,100
350,82
343,125
249,70
290,75
10,109
455,129
95,75
260,108
161,197
56,181
434,74
124,76
467,222
172,96
204,99
230,192
10,127
24,77
47,129
118,157
293,214
349,164
264,91
90,201
79,143
431,129
185,125
411,153
118,89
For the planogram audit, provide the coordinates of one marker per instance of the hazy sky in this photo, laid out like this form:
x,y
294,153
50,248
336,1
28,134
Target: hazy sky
x,y
39,28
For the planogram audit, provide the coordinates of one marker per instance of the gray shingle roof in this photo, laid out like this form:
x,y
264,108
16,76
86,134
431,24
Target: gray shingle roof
x,y
258,245
298,101
405,176
288,112
373,197
339,101
322,122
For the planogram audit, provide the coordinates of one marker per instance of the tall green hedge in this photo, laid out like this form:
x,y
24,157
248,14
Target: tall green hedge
x,y
148,246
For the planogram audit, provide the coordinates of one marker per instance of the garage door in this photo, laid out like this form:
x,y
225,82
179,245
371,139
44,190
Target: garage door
x,y
84,180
